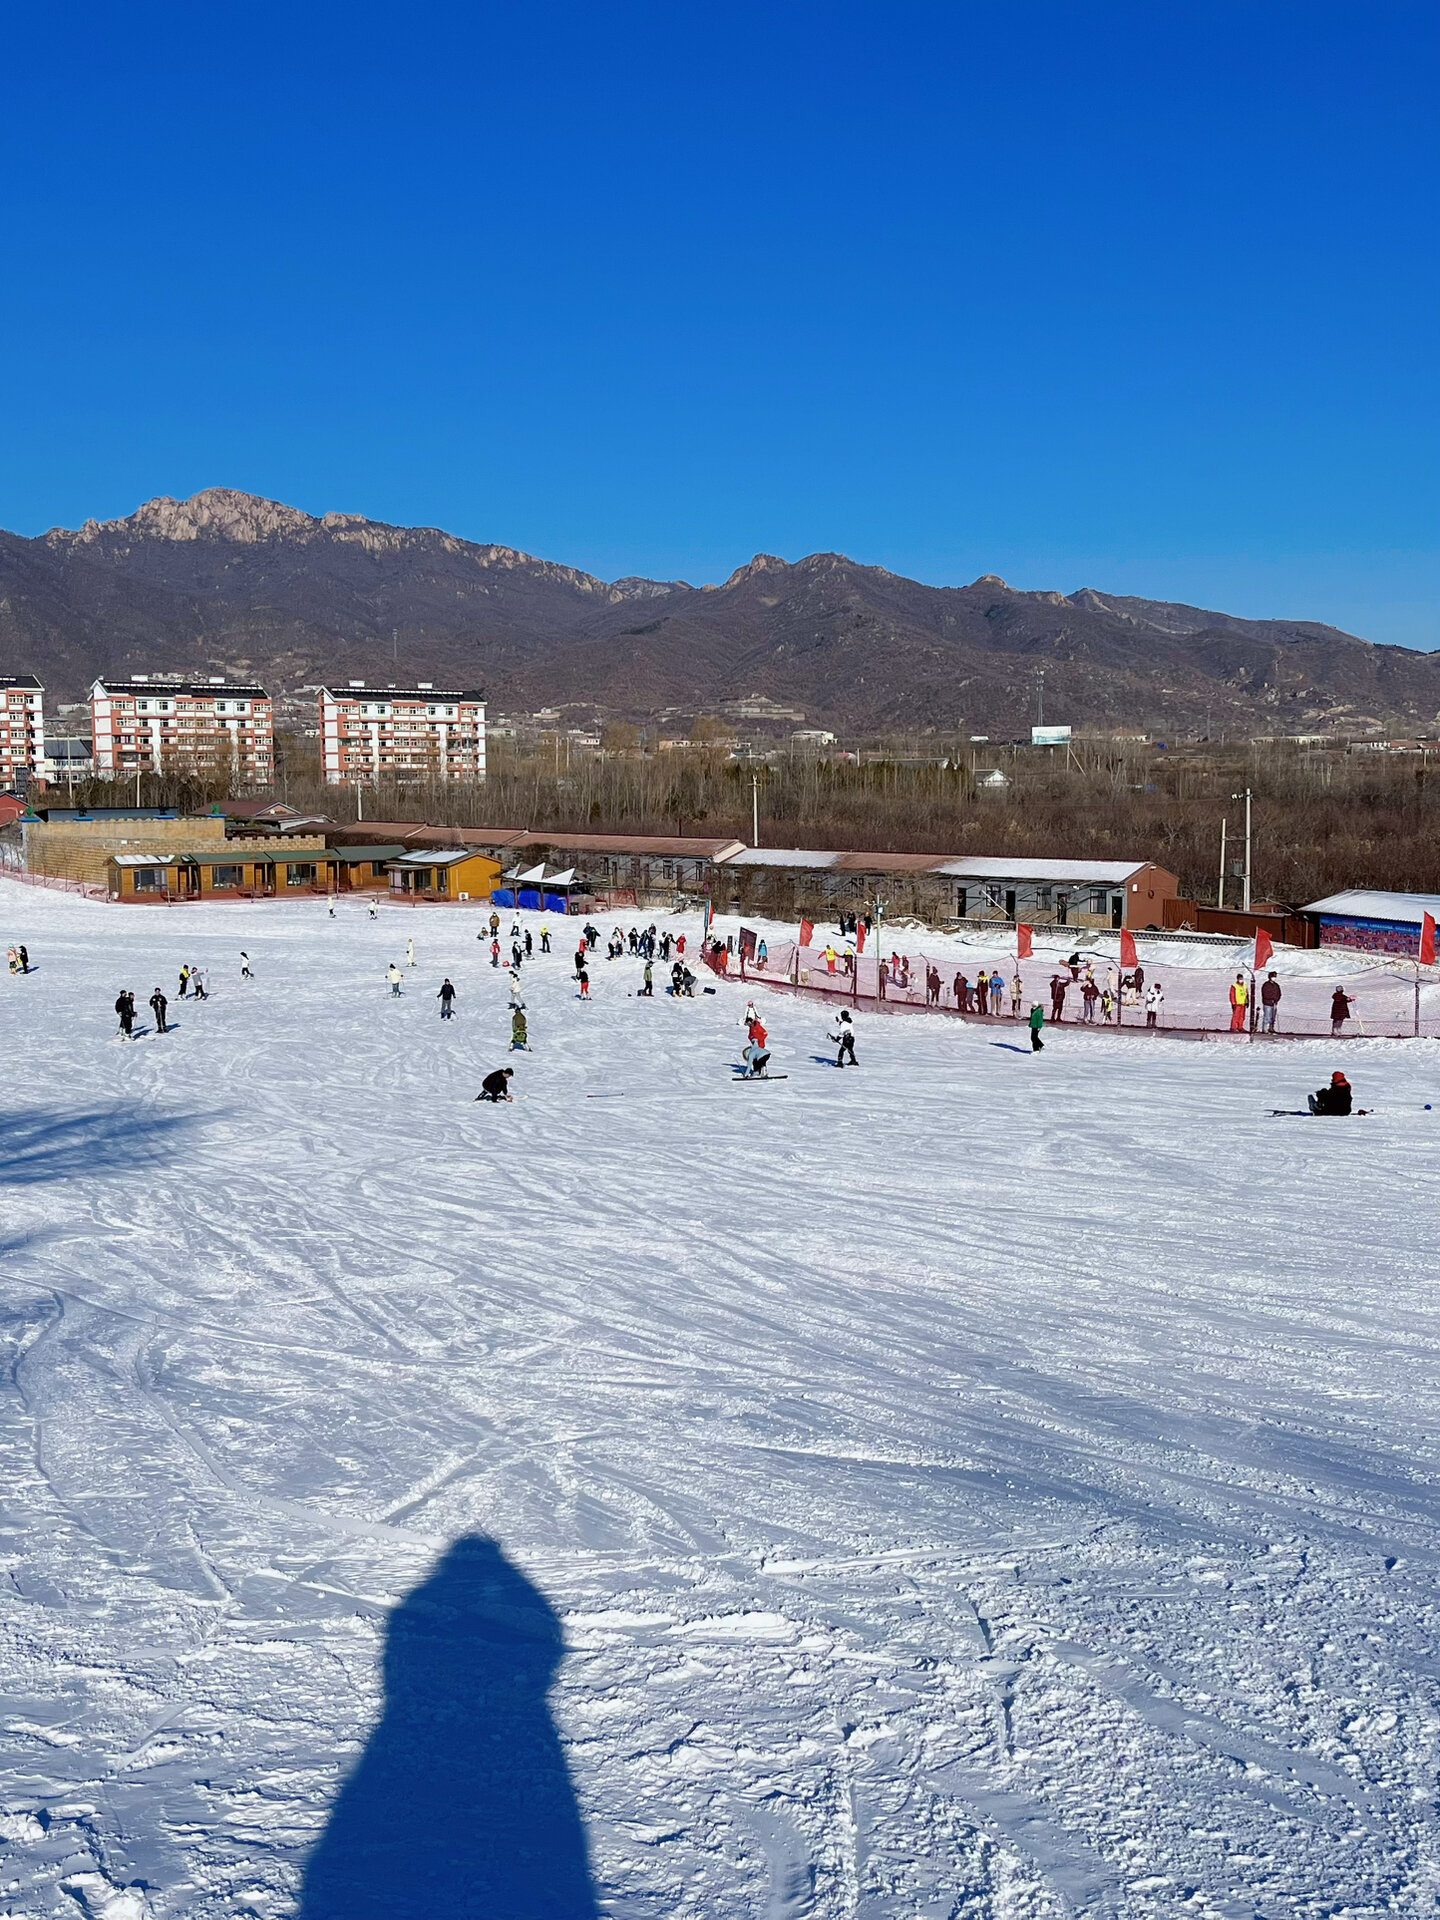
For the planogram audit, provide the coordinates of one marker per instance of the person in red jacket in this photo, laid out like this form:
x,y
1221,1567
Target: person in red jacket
x,y
757,1054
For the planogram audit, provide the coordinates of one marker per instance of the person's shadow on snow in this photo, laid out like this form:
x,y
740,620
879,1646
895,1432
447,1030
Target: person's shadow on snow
x,y
461,1805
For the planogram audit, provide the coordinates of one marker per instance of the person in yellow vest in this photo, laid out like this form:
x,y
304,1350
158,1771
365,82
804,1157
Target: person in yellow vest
x,y
1239,1004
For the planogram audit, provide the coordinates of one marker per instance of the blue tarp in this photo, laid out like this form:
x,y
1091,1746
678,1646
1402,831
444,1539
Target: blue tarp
x,y
502,896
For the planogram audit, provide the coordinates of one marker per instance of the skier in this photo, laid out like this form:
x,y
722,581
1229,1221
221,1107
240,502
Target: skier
x,y
395,977
583,976
1239,1004
544,939
125,1007
519,1032
1336,1098
844,1038
647,992
494,951
409,953
158,1004
374,913
199,984
1340,1005
1154,1001
245,973
496,1086
184,981
446,997
529,944
514,979
1269,1003
1037,1021
516,956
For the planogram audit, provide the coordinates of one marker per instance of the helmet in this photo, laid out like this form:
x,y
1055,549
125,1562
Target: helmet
x,y
1338,1080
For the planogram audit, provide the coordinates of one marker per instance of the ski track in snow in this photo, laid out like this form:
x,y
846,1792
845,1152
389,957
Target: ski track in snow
x,y
970,1485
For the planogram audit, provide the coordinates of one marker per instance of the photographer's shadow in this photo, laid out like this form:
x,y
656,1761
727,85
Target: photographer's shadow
x,y
461,1805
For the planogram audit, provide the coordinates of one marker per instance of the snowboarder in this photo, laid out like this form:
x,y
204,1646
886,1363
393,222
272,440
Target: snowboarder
x,y
245,973
374,913
1239,1004
519,1032
1037,1021
496,1086
125,1007
1340,1005
409,953
844,1038
24,953
1269,1003
1154,1002
1336,1098
395,977
757,1053
158,1004
446,997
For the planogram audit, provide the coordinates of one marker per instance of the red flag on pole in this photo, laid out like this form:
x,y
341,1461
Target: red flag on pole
x,y
1128,955
1427,940
807,932
1023,944
1264,947
860,936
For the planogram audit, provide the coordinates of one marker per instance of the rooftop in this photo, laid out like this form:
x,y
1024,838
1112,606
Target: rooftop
x,y
1359,903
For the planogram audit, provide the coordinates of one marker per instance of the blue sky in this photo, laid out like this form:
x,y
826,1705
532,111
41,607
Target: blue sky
x,y
1138,297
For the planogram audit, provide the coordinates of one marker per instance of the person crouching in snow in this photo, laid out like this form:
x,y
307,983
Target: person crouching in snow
x,y
844,1038
496,1086
1336,1098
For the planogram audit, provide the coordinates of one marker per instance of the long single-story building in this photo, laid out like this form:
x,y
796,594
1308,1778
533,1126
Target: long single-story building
x,y
1374,922
1073,893
240,871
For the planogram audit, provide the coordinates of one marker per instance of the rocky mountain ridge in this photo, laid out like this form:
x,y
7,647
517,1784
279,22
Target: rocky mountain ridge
x,y
229,582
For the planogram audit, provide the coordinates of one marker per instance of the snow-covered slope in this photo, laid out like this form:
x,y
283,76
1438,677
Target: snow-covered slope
x,y
976,1484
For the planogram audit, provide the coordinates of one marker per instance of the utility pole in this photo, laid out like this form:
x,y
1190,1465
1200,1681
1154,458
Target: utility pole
x,y
1245,880
1040,697
754,809
1220,897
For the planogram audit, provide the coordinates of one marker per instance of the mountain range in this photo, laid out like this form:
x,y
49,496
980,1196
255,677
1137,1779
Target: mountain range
x,y
226,582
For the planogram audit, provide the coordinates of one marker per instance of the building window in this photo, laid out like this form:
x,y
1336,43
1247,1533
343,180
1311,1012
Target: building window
x,y
227,876
299,876
149,879
1099,900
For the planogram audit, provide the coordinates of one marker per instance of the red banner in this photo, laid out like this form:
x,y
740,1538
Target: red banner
x,y
1024,943
807,932
1264,947
1128,956
1427,940
860,936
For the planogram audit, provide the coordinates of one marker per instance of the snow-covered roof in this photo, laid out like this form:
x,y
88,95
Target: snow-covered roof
x,y
438,857
142,859
1359,904
780,857
1103,873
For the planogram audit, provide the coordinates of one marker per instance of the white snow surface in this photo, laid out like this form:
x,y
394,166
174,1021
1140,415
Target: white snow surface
x,y
976,1484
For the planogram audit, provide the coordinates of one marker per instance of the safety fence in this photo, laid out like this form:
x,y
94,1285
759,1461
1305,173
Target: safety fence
x,y
56,882
1382,1002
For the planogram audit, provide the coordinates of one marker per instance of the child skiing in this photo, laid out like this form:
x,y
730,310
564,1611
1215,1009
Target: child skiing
x,y
844,1038
395,977
446,997
519,1032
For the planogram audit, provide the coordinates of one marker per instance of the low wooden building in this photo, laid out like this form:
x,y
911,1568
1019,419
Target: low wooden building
x,y
454,873
237,871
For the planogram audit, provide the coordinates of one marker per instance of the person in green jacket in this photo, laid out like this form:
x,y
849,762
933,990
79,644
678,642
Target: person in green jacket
x,y
519,1032
1037,1021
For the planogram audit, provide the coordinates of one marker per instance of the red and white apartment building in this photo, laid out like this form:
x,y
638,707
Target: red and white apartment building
x,y
403,733
153,723
22,729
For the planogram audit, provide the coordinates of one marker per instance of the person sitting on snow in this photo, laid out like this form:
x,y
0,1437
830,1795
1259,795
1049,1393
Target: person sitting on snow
x,y
1336,1098
757,1054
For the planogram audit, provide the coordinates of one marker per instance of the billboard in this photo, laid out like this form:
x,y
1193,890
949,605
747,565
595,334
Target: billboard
x,y
1049,736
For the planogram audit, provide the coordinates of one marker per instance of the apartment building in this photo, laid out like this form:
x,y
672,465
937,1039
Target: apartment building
x,y
422,732
22,729
156,723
